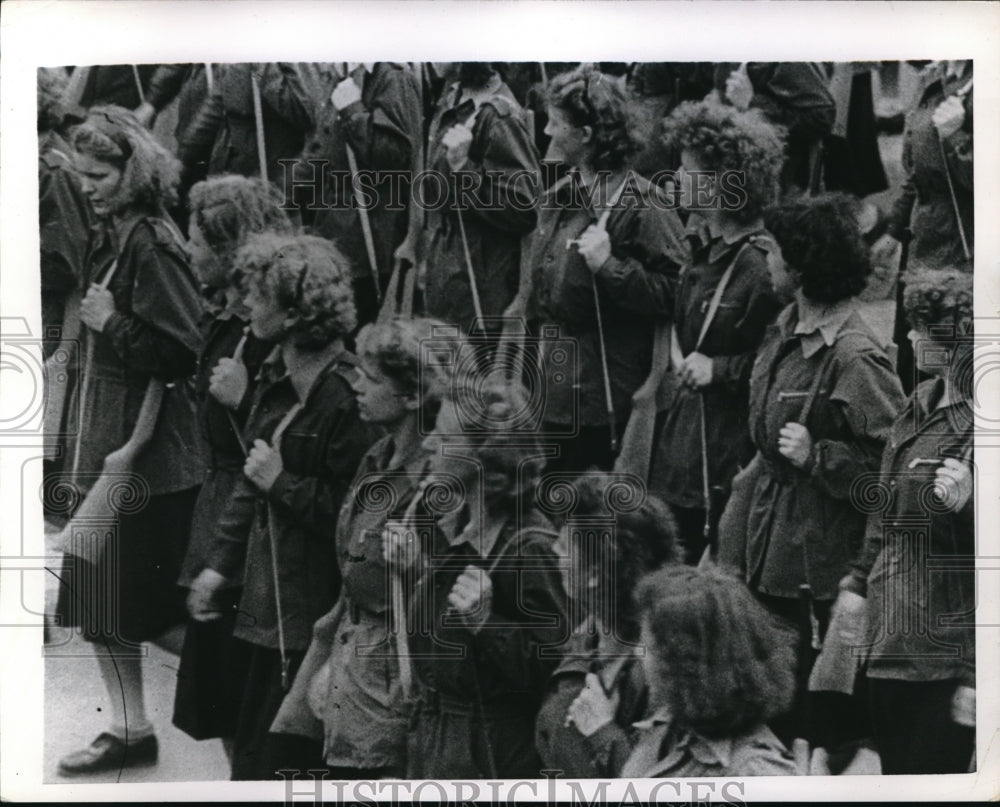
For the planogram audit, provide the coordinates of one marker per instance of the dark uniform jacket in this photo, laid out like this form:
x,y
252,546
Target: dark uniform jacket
x,y
917,565
188,83
384,130
483,689
925,204
224,130
153,333
64,222
224,456
603,754
320,450
793,95
635,288
503,172
803,526
747,307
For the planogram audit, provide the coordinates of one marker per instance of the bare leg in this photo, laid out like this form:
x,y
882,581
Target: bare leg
x,y
121,670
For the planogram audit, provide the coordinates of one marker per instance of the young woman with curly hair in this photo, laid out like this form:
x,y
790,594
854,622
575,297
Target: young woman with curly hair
x,y
488,611
612,536
823,397
225,212
922,681
141,317
598,280
730,163
349,713
306,439
717,672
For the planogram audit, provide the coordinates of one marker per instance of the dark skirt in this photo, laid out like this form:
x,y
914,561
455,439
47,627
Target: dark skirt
x,y
260,699
130,595
213,667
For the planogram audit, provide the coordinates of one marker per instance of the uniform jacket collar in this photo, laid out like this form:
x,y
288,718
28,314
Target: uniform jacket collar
x,y
723,244
708,751
817,324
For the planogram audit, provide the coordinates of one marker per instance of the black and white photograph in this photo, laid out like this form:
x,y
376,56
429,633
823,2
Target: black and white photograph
x,y
506,426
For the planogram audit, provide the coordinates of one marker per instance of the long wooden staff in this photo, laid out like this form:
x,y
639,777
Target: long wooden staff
x,y
138,84
57,374
951,185
404,259
366,225
272,532
399,621
238,356
258,117
602,224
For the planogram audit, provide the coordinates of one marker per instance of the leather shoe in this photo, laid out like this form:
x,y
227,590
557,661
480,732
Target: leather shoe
x,y
109,753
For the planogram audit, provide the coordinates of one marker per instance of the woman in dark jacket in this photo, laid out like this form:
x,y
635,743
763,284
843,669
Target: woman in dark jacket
x,y
605,256
917,568
375,111
225,211
141,314
722,306
823,396
305,440
488,611
484,180
224,132
610,539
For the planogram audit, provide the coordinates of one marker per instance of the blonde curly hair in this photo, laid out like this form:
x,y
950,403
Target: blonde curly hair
x,y
724,139
307,275
150,173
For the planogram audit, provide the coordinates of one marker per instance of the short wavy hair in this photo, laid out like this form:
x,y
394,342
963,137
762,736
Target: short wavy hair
x,y
939,297
720,665
490,409
52,82
822,244
150,173
397,348
644,539
590,98
230,208
724,139
310,277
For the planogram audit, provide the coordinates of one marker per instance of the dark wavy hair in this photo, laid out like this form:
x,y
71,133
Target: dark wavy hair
x,y
719,664
230,208
822,244
150,173
724,139
644,539
590,98
307,275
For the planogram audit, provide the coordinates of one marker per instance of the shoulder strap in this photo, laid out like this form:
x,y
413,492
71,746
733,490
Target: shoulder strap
x,y
676,357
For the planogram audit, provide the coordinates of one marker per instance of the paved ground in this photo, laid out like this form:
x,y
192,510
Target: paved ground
x,y
77,709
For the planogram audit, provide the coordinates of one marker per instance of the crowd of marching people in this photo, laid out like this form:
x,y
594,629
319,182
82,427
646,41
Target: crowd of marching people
x,y
592,465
